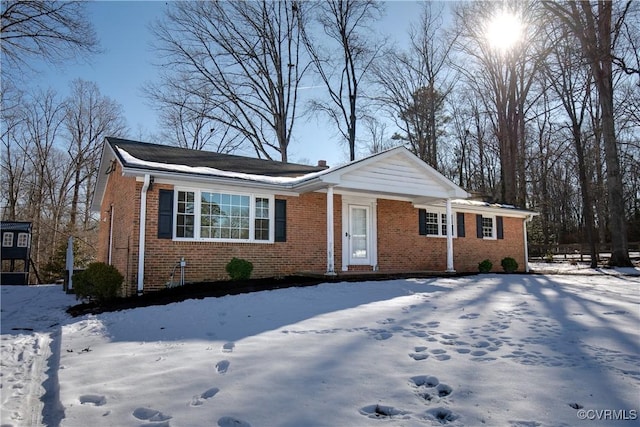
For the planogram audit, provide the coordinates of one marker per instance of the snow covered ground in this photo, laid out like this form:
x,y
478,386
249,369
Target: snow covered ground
x,y
490,350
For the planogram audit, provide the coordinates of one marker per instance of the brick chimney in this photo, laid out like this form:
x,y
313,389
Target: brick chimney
x,y
322,163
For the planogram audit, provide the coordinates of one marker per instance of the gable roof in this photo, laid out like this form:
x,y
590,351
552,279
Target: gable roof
x,y
170,156
394,173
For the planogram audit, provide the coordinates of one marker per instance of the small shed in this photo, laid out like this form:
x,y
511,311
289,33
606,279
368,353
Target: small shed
x,y
16,252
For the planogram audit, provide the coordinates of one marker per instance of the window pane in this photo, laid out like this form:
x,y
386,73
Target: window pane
x,y
185,218
431,223
487,227
262,219
7,240
23,240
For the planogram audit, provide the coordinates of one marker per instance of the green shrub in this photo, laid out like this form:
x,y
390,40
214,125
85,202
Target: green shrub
x,y
99,282
509,264
485,266
239,269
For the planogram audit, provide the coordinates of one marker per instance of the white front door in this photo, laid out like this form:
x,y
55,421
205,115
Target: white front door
x,y
358,235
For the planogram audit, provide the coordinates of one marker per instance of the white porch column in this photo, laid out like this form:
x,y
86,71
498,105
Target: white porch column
x,y
330,241
450,268
526,243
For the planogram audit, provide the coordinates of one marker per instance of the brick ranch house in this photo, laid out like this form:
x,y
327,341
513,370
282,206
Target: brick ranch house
x,y
387,212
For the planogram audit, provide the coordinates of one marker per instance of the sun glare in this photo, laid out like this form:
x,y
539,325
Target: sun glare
x,y
504,31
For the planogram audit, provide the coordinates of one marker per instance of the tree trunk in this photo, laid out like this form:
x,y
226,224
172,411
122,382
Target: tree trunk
x,y
602,69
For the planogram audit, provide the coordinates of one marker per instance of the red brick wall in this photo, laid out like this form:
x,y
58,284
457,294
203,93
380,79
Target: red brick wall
x,y
400,246
469,251
124,194
304,250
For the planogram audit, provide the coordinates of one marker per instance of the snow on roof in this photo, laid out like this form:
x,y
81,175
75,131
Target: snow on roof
x,y
202,170
479,203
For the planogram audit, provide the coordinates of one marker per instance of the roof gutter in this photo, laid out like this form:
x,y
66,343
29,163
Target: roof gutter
x,y
143,227
129,171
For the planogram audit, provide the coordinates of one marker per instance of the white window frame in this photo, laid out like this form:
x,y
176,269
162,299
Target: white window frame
x,y
442,214
198,215
494,227
23,240
7,239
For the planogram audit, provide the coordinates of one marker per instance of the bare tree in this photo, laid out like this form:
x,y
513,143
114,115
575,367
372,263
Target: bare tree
x,y
415,82
593,27
43,114
89,118
343,59
571,83
377,139
244,59
503,79
187,121
51,30
13,161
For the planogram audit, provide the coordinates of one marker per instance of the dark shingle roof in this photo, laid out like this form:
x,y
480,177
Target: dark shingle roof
x,y
197,158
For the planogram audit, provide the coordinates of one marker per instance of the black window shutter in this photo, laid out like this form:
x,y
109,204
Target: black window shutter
x,y
422,222
165,214
281,221
479,226
460,223
499,227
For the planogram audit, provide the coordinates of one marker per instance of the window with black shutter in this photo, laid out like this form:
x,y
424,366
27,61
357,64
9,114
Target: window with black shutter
x,y
460,222
165,214
281,220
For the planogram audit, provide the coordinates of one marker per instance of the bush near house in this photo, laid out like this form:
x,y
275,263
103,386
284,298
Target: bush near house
x,y
239,269
100,282
485,266
509,264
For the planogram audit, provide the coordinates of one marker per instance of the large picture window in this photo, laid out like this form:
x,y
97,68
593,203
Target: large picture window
x,y
208,215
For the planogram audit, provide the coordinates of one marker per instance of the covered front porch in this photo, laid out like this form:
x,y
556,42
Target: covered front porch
x,y
396,175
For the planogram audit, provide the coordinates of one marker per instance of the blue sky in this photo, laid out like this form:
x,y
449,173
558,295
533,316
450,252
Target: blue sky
x,y
126,64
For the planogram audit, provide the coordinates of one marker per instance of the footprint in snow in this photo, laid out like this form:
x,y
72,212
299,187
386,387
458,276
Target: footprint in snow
x,y
442,415
232,422
149,414
470,316
92,399
425,381
222,366
228,347
380,334
378,411
419,353
199,400
430,388
419,356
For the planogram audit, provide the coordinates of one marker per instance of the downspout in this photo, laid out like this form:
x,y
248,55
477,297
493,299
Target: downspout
x,y
330,243
450,268
143,221
526,243
110,233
